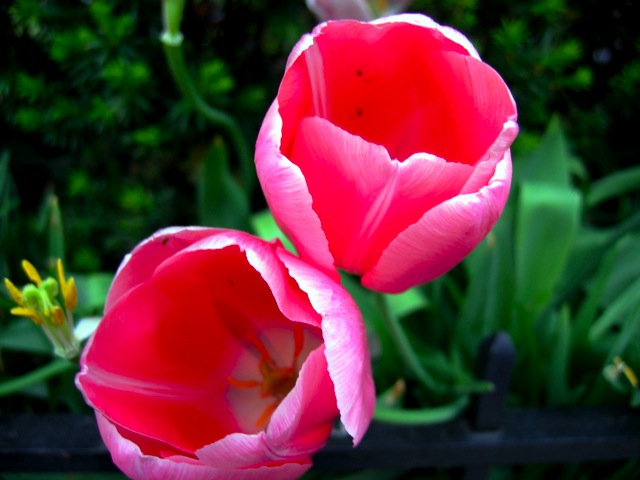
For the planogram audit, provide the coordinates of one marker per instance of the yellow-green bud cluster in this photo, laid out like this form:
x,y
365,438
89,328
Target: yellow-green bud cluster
x,y
40,302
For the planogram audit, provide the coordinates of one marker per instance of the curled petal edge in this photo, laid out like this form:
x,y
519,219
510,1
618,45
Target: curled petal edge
x,y
442,237
138,466
288,196
346,346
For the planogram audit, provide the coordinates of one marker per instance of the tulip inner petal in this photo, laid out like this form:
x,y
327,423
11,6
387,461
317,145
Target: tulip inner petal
x,y
404,87
160,361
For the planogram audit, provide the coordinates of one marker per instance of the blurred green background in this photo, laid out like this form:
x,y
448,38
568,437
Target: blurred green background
x,y
99,149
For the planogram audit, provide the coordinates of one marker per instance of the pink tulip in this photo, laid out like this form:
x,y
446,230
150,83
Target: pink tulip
x,y
386,151
221,356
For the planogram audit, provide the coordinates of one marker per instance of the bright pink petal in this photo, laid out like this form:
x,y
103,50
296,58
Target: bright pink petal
x,y
423,21
382,202
151,365
299,427
139,265
442,237
438,97
138,466
292,430
288,197
346,346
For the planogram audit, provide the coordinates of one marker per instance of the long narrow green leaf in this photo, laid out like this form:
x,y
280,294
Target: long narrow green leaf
x,y
614,185
550,162
558,389
221,200
34,377
547,222
617,312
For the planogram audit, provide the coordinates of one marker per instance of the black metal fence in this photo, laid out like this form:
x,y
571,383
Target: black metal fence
x,y
488,436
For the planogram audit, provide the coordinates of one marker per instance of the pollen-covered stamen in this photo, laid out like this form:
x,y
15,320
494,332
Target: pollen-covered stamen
x,y
67,288
16,294
277,381
39,301
31,272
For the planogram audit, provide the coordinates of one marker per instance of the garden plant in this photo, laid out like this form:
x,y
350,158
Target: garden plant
x,y
230,228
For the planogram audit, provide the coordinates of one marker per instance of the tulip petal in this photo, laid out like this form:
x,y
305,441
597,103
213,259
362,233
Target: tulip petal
x,y
292,434
292,431
346,347
381,203
425,22
164,367
139,265
442,237
439,96
138,466
286,193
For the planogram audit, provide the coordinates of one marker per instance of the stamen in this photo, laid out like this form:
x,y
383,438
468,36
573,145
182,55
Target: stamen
x,y
243,383
31,272
266,415
27,312
276,381
57,316
15,293
68,288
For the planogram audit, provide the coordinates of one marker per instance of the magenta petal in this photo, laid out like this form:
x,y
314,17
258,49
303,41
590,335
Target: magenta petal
x,y
139,265
382,202
138,466
346,347
144,365
442,237
288,197
292,432
425,22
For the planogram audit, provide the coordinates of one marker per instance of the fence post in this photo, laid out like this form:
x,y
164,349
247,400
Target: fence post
x,y
496,358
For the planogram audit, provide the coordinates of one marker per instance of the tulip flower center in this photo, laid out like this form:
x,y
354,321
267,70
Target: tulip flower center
x,y
277,380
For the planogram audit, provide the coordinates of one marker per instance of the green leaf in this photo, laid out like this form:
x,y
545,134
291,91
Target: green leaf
x,y
221,200
546,226
488,304
265,227
551,162
92,291
588,251
407,302
560,336
24,336
625,268
612,186
56,367
623,311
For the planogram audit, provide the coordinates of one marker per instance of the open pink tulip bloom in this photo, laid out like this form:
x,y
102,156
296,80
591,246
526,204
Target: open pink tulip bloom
x,y
386,152
224,356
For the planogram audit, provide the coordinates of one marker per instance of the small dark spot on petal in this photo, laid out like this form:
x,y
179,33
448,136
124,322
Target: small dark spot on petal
x,y
165,241
359,112
230,281
359,73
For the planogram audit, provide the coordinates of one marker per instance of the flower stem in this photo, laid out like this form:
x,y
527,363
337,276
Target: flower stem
x,y
403,345
421,416
36,376
172,41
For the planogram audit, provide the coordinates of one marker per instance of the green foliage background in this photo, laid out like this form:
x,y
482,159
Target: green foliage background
x,y
93,126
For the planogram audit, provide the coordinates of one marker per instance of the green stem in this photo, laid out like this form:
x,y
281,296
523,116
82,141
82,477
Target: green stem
x,y
403,345
172,41
36,376
422,416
